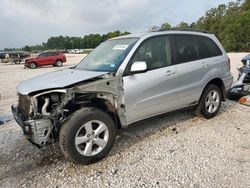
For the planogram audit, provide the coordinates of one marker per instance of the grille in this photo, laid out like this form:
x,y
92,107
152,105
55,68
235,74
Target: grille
x,y
24,106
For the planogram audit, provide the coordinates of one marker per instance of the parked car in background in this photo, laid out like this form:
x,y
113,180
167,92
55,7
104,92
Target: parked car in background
x,y
124,80
13,56
46,58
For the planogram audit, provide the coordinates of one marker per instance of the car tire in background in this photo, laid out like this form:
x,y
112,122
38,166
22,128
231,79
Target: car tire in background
x,y
210,101
59,63
33,65
87,136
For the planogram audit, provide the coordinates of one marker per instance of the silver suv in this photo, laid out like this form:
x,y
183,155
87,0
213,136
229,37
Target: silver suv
x,y
124,80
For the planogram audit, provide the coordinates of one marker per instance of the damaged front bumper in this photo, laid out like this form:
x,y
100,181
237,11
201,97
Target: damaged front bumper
x,y
37,131
242,86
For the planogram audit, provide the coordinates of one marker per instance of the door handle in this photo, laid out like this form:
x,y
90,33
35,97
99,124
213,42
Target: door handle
x,y
204,64
170,72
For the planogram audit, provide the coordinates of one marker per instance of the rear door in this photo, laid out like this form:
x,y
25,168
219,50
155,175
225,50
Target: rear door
x,y
193,73
153,92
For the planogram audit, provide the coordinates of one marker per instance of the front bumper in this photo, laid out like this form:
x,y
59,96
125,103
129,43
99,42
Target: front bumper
x,y
37,131
23,124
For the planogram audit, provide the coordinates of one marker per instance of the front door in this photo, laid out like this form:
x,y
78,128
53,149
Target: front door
x,y
152,92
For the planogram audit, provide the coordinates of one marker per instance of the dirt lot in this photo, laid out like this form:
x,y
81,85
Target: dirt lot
x,y
176,150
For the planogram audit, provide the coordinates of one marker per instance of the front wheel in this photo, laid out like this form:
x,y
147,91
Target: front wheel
x,y
33,65
87,136
210,102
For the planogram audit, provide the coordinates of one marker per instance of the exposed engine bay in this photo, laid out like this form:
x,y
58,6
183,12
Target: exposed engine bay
x,y
41,114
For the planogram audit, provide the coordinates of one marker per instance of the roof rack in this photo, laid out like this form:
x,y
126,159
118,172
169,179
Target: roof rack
x,y
180,29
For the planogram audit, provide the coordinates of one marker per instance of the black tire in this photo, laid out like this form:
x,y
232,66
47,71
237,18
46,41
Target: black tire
x,y
70,129
33,65
59,63
202,108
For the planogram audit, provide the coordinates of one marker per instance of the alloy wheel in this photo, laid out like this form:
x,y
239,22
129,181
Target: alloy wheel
x,y
91,138
212,101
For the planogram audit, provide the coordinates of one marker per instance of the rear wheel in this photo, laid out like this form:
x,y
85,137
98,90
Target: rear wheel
x,y
33,65
87,136
59,63
210,102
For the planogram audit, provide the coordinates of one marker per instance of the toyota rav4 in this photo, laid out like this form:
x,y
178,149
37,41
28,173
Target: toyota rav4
x,y
124,80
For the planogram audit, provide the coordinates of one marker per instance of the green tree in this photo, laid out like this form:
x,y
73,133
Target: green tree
x,y
183,25
27,48
230,23
165,26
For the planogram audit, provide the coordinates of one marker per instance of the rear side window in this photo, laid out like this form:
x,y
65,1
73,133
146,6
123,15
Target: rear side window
x,y
207,48
185,48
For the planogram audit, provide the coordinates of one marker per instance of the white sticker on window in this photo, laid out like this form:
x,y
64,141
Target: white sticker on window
x,y
120,47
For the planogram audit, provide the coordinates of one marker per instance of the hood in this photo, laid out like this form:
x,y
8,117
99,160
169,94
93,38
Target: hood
x,y
59,79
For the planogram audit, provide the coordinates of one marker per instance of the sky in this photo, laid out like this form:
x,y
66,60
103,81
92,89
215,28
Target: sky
x,y
31,22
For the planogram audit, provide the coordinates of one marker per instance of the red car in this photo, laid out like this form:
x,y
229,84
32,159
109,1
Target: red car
x,y
46,58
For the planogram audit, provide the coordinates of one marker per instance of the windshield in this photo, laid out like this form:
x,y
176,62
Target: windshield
x,y
108,56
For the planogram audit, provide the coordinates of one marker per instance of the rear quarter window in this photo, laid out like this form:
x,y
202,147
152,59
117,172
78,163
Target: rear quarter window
x,y
207,48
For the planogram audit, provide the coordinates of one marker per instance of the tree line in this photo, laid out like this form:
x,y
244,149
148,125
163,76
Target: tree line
x,y
229,22
65,42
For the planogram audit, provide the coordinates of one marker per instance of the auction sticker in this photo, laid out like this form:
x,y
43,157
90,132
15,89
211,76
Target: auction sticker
x,y
120,47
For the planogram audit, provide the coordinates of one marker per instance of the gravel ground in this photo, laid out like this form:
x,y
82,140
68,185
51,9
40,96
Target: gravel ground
x,y
175,150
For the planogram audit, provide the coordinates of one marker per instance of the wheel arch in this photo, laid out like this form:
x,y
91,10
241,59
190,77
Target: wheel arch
x,y
107,107
100,103
58,60
32,62
218,82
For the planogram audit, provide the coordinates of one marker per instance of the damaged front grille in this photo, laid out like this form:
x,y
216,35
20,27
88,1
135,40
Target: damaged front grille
x,y
24,106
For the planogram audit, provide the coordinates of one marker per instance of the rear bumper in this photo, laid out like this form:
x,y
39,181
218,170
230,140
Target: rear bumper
x,y
228,81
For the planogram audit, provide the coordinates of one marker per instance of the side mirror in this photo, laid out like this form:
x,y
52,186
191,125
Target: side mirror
x,y
139,67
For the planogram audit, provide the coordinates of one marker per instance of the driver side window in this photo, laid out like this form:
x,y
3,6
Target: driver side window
x,y
155,52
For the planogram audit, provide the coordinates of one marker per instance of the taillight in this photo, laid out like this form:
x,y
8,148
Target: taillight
x,y
229,63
